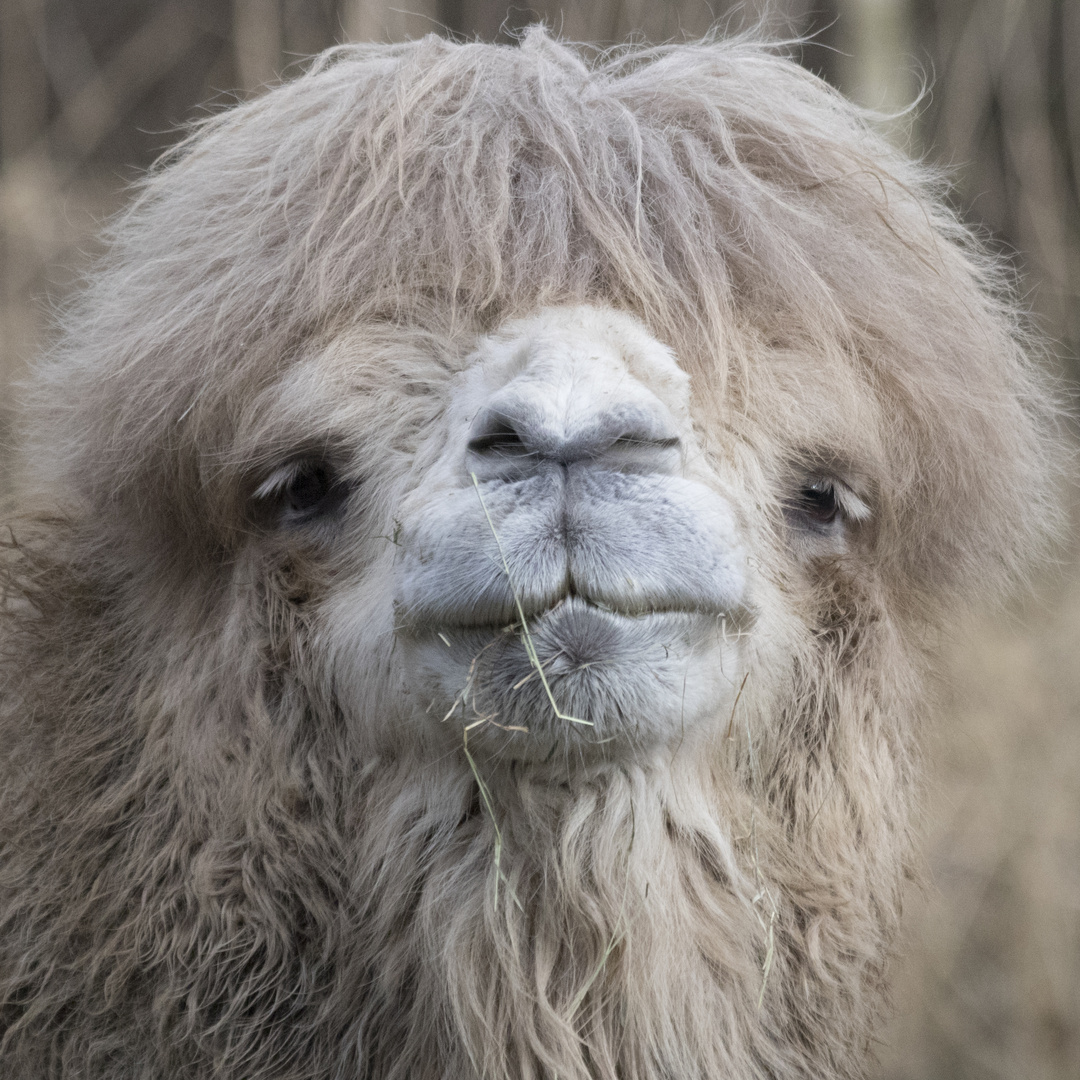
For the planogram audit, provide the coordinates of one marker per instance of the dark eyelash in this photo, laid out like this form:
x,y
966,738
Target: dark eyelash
x,y
819,502
302,492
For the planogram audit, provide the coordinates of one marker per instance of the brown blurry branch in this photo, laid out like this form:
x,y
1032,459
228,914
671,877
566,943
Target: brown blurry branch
x,y
87,115
257,42
150,52
1005,114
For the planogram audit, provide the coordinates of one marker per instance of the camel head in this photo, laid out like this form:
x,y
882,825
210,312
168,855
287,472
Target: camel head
x,y
486,524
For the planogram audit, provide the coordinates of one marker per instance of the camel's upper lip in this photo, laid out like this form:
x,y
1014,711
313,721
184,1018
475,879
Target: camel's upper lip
x,y
634,546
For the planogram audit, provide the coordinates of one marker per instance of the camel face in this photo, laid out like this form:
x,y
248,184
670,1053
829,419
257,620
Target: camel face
x,y
573,576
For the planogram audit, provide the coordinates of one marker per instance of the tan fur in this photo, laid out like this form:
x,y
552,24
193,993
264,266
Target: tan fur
x,y
211,867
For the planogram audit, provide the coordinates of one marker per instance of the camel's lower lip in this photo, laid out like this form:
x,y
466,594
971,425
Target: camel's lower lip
x,y
574,640
580,674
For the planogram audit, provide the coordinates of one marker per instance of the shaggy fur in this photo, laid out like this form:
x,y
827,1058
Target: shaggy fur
x,y
226,851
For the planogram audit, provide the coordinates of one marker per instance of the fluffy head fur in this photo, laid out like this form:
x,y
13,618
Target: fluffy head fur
x,y
712,350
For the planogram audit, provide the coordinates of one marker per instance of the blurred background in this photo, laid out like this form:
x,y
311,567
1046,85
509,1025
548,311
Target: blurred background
x,y
91,91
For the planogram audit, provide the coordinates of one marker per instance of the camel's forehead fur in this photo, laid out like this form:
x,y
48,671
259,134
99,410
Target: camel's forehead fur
x,y
819,297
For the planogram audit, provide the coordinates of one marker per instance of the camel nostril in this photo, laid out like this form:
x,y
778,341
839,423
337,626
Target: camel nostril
x,y
645,442
510,442
499,437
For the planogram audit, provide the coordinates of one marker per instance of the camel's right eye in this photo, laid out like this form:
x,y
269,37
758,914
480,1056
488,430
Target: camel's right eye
x,y
301,492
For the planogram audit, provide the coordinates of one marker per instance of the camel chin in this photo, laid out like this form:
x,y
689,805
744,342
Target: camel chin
x,y
572,583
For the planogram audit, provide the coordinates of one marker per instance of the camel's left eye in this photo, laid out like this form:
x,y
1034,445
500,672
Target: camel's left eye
x,y
302,492
818,503
824,505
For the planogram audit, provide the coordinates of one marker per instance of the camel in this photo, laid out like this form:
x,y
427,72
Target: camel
x,y
486,525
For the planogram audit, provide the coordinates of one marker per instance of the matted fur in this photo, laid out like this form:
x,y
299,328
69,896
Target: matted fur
x,y
211,867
